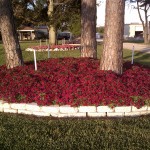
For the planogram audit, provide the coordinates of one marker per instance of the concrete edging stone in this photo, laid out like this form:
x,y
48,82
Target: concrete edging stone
x,y
68,111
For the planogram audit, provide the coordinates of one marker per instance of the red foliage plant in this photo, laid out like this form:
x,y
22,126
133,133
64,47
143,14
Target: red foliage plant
x,y
75,81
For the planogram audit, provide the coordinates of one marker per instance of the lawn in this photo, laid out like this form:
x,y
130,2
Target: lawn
x,y
28,56
142,58
21,132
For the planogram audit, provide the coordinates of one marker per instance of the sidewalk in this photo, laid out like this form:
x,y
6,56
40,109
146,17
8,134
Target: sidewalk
x,y
137,47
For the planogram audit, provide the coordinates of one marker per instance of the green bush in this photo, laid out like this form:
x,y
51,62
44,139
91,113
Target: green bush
x,y
20,132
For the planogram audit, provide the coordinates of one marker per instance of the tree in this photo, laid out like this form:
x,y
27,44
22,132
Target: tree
x,y
100,29
52,29
53,13
88,28
112,55
73,23
145,6
9,35
59,13
22,11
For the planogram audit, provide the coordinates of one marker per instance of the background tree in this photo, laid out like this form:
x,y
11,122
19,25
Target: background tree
x,y
70,19
112,55
24,12
88,28
53,13
100,29
9,35
51,27
66,15
144,5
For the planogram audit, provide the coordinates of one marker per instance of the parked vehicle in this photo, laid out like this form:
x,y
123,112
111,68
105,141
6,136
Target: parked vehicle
x,y
99,39
64,35
98,36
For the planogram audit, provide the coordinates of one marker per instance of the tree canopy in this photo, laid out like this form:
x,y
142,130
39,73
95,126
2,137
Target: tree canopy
x,y
65,15
144,3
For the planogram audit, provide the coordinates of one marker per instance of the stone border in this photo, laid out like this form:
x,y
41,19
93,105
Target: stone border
x,y
67,111
51,50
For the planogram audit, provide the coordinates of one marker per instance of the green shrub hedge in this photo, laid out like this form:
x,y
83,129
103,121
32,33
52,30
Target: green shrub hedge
x,y
20,132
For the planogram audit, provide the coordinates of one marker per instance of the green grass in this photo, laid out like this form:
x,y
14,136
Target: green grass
x,y
139,57
142,58
18,132
28,56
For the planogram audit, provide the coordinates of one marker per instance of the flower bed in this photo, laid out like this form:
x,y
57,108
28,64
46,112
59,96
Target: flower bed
x,y
75,82
65,47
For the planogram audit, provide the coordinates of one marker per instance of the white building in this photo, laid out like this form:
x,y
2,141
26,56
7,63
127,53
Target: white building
x,y
133,30
26,33
31,33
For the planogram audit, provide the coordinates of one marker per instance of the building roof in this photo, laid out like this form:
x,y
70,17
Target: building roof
x,y
26,28
134,23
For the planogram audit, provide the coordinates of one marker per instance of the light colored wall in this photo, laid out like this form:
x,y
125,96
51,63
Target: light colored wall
x,y
129,29
32,36
133,28
126,30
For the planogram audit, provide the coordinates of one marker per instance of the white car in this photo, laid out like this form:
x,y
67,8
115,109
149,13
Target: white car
x,y
98,38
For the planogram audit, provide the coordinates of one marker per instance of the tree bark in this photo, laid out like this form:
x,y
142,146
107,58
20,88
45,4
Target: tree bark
x,y
52,32
88,29
112,56
145,25
9,35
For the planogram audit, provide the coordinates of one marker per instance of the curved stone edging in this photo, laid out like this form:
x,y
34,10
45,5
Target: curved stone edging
x,y
55,49
67,111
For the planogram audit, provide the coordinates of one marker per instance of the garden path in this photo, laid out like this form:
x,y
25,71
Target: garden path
x,y
137,47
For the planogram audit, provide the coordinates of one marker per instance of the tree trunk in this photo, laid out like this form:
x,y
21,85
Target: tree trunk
x,y
146,41
149,31
9,35
52,35
112,56
52,32
88,29
145,25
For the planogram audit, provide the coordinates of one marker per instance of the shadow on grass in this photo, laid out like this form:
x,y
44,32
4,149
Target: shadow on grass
x,y
140,57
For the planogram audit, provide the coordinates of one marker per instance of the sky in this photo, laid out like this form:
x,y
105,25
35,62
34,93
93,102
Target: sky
x,y
131,15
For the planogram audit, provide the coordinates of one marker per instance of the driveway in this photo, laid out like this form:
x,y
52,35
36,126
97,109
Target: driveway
x,y
137,47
